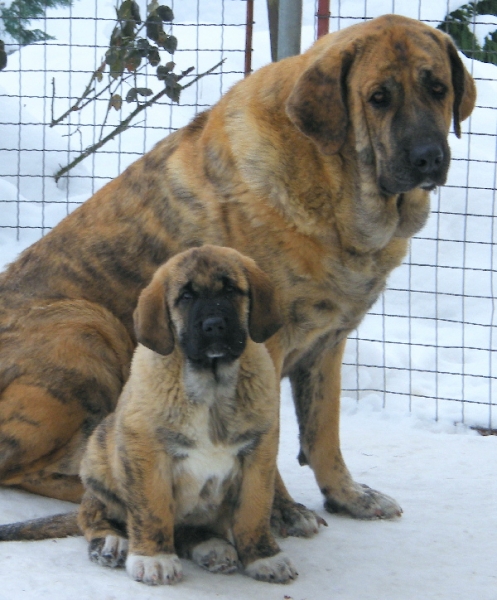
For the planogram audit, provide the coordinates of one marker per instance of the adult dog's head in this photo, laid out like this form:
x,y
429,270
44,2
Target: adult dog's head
x,y
206,300
391,86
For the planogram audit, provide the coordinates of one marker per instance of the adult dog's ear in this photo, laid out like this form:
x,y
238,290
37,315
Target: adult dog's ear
x,y
152,321
264,314
464,88
317,104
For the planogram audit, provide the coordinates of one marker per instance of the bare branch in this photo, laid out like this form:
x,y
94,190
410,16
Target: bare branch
x,y
125,123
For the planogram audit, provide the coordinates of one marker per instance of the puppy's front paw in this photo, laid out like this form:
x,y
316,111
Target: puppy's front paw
x,y
161,569
216,555
275,569
110,551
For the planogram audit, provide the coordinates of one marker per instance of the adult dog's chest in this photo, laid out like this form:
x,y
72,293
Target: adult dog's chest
x,y
335,300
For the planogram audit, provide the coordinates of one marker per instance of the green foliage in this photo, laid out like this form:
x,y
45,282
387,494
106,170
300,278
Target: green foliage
x,y
18,16
457,24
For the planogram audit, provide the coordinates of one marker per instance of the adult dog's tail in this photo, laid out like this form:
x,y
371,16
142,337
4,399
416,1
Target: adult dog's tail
x,y
56,526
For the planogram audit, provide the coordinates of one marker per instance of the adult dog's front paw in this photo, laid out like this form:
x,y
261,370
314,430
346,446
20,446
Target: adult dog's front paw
x,y
216,555
161,569
362,502
109,551
290,518
275,569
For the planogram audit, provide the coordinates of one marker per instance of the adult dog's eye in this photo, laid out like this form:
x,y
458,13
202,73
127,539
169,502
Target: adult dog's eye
x,y
438,89
380,99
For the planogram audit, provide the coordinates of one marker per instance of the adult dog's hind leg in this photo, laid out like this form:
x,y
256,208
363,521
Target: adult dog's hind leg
x,y
316,385
62,367
40,445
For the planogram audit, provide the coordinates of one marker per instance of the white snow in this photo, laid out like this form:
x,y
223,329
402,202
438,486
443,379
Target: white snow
x,y
443,547
443,474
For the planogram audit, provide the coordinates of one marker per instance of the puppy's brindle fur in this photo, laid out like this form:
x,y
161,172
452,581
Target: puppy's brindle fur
x,y
192,444
318,167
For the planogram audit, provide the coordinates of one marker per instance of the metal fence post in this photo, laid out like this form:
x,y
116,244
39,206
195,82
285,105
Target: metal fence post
x,y
289,28
323,15
248,37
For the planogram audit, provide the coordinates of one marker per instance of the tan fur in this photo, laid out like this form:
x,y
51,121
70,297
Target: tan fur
x,y
188,447
293,167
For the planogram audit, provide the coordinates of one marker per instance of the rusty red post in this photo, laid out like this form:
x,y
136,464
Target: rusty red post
x,y
323,15
248,37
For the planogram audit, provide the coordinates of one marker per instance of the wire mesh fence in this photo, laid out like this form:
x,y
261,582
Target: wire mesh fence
x,y
46,80
429,343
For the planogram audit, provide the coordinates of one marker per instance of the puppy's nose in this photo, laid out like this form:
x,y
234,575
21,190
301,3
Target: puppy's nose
x,y
427,158
214,326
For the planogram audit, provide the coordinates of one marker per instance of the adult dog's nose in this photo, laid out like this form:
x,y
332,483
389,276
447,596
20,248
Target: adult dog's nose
x,y
214,326
427,158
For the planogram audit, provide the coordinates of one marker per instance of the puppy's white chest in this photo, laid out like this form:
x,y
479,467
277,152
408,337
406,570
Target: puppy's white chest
x,y
204,474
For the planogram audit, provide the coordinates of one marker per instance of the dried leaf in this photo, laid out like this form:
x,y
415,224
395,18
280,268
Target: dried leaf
x,y
169,43
116,39
114,57
173,91
144,91
173,88
131,95
163,70
143,47
116,101
165,13
132,60
153,56
153,27
129,11
153,6
99,73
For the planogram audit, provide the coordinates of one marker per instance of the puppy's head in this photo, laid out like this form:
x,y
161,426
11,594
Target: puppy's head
x,y
206,300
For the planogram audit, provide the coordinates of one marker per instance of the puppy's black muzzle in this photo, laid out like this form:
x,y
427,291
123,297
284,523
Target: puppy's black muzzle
x,y
213,332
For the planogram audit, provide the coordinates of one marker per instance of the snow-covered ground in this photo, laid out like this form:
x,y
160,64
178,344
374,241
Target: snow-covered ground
x,y
444,547
443,474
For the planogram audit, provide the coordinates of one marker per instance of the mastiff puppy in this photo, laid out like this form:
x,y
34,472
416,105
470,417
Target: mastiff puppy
x,y
318,167
190,452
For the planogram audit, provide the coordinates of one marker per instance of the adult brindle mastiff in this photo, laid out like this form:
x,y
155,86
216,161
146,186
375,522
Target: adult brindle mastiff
x,y
318,167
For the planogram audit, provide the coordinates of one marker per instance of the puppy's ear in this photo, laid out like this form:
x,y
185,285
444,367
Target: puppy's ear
x,y
317,105
264,314
152,321
464,88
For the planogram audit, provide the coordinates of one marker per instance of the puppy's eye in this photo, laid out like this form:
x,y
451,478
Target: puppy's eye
x,y
186,296
380,99
228,286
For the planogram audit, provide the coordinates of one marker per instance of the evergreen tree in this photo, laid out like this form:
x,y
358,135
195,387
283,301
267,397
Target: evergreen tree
x,y
16,19
458,25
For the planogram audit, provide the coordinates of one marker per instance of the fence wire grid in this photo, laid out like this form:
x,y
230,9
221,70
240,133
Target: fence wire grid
x,y
429,343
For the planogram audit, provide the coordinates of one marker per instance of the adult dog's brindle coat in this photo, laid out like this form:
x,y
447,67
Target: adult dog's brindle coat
x,y
318,167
